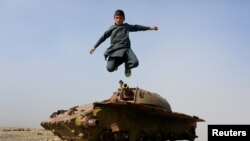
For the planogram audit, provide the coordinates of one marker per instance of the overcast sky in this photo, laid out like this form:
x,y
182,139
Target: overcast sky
x,y
199,59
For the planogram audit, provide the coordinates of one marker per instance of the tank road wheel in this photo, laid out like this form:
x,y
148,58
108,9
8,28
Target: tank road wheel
x,y
141,137
158,137
121,136
106,135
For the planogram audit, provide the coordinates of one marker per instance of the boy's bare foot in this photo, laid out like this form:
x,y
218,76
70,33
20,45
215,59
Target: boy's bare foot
x,y
127,72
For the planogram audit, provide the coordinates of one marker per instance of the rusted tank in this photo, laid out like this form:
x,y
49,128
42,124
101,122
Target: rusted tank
x,y
131,114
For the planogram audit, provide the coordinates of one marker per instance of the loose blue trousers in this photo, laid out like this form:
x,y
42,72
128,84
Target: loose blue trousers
x,y
129,58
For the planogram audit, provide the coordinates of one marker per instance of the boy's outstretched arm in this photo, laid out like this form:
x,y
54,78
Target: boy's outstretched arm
x,y
101,39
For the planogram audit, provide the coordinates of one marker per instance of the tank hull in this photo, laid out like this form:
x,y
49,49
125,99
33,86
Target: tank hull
x,y
143,122
131,114
123,121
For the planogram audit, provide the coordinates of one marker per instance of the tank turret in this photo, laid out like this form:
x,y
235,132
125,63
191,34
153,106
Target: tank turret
x,y
139,96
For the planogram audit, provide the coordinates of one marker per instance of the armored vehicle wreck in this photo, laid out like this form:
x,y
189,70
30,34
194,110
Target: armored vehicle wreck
x,y
130,114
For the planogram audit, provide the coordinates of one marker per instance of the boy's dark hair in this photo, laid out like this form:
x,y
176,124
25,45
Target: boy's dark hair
x,y
119,12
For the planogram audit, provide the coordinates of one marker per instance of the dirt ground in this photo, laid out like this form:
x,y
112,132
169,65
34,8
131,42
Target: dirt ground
x,y
26,134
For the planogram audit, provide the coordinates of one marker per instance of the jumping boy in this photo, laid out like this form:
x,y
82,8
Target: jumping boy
x,y
120,50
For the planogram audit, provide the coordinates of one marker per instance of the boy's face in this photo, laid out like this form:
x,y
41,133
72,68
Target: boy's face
x,y
119,20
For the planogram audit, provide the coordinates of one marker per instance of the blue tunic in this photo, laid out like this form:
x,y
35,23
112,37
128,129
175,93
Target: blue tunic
x,y
120,41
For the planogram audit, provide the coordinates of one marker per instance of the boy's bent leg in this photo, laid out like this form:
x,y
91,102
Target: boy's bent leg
x,y
113,63
131,60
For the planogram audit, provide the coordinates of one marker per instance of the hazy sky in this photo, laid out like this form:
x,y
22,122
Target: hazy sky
x,y
199,59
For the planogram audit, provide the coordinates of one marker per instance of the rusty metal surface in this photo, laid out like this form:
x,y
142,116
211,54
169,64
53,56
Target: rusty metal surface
x,y
131,114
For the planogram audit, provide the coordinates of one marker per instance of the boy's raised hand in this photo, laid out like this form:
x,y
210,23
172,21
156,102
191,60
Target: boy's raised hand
x,y
91,50
153,28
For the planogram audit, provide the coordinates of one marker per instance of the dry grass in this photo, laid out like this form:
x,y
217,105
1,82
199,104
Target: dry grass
x,y
26,134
